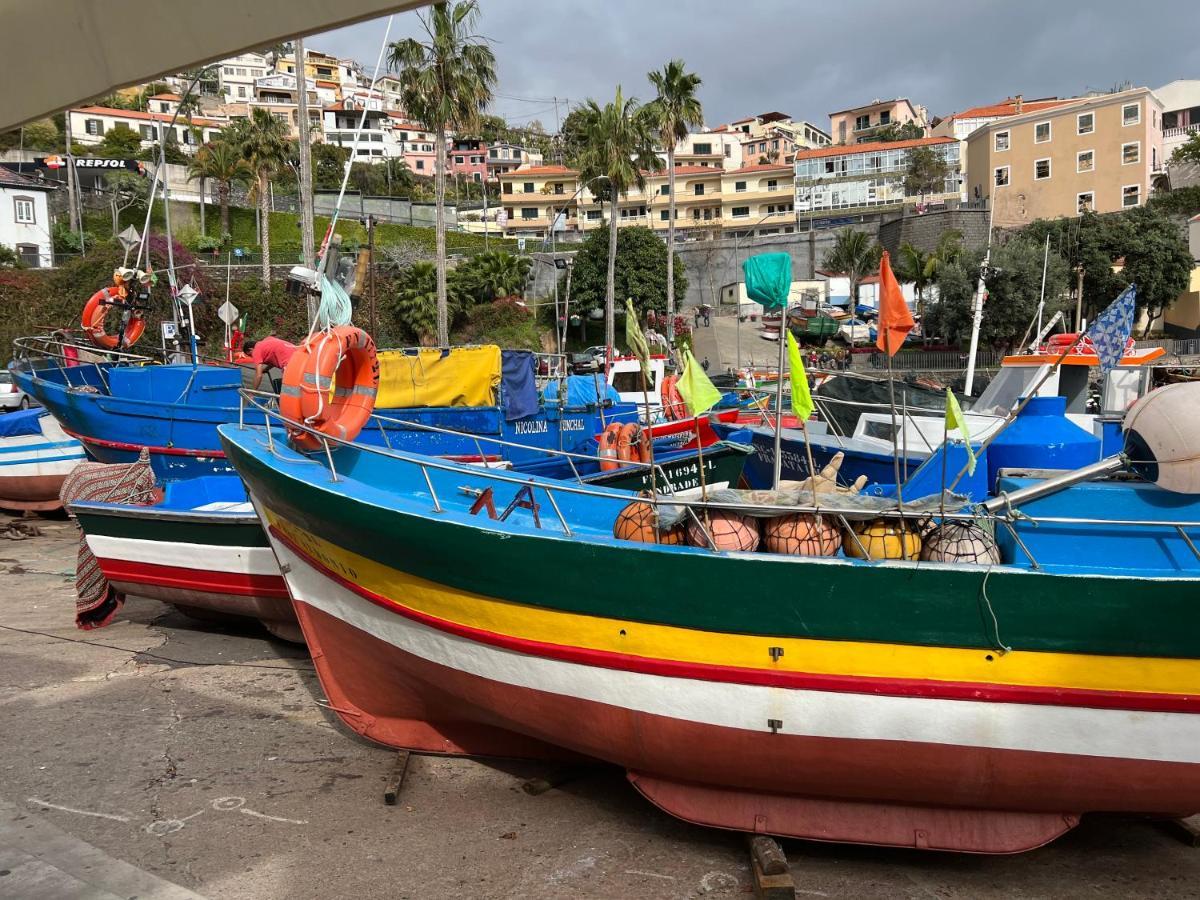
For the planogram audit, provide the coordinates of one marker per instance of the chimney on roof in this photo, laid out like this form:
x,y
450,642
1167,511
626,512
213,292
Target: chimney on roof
x,y
1019,102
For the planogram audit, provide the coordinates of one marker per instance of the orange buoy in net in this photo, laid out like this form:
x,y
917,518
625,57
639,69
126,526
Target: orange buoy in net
x,y
884,539
729,530
638,522
97,309
802,534
330,385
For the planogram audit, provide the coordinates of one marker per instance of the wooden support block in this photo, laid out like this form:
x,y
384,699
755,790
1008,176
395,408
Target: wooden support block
x,y
535,787
1187,830
395,780
769,869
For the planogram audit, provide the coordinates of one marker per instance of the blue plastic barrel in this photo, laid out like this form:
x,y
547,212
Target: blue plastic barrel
x,y
1042,437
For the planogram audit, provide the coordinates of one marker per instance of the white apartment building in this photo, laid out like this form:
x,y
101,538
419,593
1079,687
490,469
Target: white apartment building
x,y
503,158
722,149
236,76
861,176
1181,112
89,124
25,218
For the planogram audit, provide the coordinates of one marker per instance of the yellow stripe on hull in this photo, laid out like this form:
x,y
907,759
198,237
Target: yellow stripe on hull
x,y
1020,668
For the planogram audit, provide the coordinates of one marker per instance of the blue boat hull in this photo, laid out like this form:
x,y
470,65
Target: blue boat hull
x,y
174,411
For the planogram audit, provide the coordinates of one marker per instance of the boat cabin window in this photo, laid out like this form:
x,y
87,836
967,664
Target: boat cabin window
x,y
1006,389
1123,385
631,382
881,430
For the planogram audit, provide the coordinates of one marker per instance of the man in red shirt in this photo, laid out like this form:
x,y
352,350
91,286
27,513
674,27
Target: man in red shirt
x,y
269,353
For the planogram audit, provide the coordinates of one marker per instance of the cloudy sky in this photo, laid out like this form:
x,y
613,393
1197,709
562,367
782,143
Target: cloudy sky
x,y
810,58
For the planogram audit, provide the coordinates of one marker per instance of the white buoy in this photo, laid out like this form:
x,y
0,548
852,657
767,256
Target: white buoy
x,y
1162,437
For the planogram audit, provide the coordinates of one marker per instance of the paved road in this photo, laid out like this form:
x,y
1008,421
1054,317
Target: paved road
x,y
204,757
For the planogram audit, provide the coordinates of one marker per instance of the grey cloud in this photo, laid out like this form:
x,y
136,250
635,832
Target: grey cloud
x,y
808,59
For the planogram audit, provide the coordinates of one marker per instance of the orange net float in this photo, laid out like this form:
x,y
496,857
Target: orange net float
x,y
330,385
96,310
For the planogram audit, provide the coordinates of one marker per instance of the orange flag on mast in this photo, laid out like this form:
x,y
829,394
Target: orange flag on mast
x,y
895,321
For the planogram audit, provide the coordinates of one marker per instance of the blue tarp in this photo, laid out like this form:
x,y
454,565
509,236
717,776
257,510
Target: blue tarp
x,y
16,424
582,391
518,384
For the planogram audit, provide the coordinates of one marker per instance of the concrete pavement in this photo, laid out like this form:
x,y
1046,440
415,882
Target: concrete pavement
x,y
204,756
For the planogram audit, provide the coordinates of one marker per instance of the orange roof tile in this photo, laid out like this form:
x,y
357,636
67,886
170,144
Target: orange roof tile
x,y
166,96
137,114
542,170
851,149
692,170
1008,107
777,167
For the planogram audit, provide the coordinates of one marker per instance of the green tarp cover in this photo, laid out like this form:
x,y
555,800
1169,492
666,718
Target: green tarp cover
x,y
768,279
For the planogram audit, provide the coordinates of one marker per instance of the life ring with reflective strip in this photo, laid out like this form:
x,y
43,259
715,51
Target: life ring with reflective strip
x,y
96,310
627,447
672,400
608,448
330,385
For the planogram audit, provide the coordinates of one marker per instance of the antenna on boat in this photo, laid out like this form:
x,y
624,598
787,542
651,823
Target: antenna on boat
x,y
323,262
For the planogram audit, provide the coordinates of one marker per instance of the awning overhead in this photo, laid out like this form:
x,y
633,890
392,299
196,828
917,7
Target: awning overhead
x,y
73,50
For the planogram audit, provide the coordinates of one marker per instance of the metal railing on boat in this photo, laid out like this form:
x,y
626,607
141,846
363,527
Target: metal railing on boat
x,y
1000,511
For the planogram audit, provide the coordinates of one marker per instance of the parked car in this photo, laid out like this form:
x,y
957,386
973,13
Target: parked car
x,y
854,331
583,363
11,396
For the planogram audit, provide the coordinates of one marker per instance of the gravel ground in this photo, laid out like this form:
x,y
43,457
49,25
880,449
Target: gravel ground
x,y
203,754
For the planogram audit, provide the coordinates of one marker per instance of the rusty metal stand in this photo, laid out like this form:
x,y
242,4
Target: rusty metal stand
x,y
391,790
769,869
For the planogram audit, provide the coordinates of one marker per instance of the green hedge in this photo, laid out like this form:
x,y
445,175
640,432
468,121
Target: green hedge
x,y
285,231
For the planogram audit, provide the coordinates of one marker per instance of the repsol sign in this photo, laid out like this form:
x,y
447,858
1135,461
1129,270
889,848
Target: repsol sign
x,y
91,162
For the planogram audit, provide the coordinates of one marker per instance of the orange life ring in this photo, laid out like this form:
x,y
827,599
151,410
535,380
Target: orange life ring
x,y
330,385
608,448
627,448
672,401
96,310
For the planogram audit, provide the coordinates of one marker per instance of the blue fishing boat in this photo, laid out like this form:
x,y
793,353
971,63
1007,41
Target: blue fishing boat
x,y
116,409
937,702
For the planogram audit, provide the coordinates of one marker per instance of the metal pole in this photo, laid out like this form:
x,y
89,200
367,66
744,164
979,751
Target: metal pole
x,y
371,268
1042,297
783,327
307,241
980,290
76,225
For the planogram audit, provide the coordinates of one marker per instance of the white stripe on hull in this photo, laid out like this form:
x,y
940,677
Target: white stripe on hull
x,y
202,557
34,468
1117,734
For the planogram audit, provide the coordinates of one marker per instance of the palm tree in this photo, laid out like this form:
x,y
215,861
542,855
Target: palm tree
x,y
445,83
854,255
222,162
264,147
491,275
619,148
673,112
915,265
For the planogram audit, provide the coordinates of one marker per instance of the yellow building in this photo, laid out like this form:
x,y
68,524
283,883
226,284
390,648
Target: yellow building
x,y
709,200
533,196
759,200
1096,153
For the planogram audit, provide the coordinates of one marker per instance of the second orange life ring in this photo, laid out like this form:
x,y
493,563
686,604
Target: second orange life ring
x,y
672,401
330,385
97,309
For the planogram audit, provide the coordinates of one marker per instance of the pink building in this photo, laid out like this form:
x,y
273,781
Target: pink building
x,y
859,124
415,144
468,159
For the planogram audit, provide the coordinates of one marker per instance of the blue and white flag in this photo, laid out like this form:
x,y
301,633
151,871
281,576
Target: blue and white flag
x,y
1112,328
